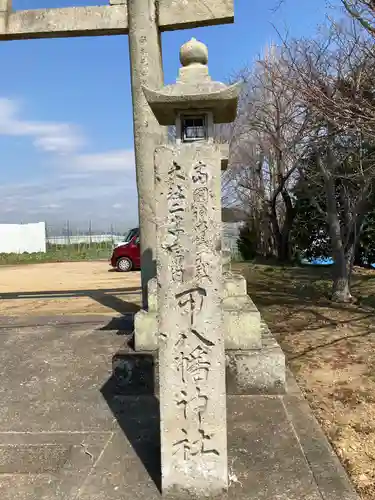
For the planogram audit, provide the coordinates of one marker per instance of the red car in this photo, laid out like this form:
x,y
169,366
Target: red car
x,y
127,256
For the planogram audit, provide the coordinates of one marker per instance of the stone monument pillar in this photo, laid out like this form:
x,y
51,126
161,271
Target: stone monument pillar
x,y
189,278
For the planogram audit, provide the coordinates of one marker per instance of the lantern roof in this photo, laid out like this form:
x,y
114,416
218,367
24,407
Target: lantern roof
x,y
194,90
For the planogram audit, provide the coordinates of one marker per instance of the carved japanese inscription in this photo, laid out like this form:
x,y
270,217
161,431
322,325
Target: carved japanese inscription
x,y
200,179
191,344
176,202
193,352
195,364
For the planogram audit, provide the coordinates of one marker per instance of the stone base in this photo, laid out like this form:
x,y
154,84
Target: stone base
x,y
255,362
146,322
248,372
258,371
242,321
241,326
145,331
134,373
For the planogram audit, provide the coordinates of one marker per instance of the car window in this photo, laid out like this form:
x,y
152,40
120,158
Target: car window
x,y
137,241
131,234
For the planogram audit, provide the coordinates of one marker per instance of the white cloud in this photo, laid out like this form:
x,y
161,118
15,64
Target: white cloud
x,y
101,198
62,139
59,138
51,206
110,161
81,186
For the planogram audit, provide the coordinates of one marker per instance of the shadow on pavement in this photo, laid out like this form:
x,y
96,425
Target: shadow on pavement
x,y
123,325
130,395
105,296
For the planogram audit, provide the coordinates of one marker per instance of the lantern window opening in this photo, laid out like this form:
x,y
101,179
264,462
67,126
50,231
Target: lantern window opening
x,y
194,128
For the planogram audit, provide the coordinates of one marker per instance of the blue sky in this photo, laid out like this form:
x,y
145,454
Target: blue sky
x,y
66,136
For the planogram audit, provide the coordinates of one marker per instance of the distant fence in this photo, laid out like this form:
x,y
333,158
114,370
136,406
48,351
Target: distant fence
x,y
71,240
85,239
89,246
230,236
20,238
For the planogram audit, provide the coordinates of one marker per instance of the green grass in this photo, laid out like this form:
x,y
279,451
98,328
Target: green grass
x,y
59,253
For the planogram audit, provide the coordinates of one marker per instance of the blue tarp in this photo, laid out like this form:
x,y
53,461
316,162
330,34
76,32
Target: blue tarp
x,y
322,261
328,261
318,261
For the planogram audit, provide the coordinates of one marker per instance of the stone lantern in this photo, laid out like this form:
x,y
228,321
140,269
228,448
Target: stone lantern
x,y
195,103
189,277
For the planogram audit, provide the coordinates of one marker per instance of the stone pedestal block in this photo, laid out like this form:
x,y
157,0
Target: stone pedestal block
x,y
234,284
152,292
248,372
241,323
146,322
257,371
145,330
241,318
134,374
226,259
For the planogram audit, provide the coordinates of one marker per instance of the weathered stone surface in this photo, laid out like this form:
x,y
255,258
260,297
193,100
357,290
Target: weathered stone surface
x,y
194,89
241,323
146,67
152,288
134,373
225,156
145,331
248,371
191,341
241,330
194,14
234,285
226,259
257,371
5,7
146,322
66,22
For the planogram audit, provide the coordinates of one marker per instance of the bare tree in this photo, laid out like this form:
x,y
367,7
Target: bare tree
x,y
269,143
362,11
334,76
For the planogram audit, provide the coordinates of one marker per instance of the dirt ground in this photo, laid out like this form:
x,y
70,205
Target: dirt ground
x,y
67,288
330,348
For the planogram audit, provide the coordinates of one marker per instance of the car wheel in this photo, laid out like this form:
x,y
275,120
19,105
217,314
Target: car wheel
x,y
124,265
